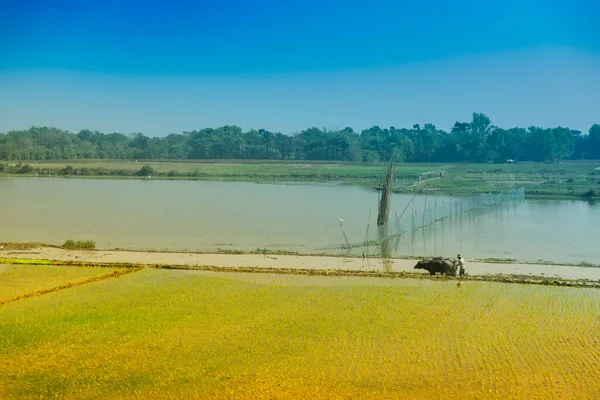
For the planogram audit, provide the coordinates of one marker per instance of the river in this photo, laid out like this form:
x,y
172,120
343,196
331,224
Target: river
x,y
201,215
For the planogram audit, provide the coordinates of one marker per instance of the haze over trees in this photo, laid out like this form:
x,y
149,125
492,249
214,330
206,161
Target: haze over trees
x,y
477,141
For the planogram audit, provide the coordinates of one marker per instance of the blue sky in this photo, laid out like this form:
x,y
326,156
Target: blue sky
x,y
161,67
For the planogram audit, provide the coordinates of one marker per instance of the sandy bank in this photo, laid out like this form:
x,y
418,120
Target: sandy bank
x,y
290,261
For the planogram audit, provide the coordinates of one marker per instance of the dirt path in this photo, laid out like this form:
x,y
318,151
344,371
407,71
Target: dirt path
x,y
287,261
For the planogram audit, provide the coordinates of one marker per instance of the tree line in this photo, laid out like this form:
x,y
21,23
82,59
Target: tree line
x,y
476,141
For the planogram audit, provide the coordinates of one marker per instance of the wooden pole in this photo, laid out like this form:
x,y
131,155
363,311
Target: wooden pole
x,y
386,195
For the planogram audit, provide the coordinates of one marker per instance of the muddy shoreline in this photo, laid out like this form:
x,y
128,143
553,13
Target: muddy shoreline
x,y
304,264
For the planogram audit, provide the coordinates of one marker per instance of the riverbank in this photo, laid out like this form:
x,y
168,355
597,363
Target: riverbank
x,y
576,180
305,264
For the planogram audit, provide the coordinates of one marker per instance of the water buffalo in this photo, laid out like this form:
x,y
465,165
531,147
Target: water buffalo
x,y
437,265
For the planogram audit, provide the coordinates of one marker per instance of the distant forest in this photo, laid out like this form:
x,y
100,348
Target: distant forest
x,y
477,141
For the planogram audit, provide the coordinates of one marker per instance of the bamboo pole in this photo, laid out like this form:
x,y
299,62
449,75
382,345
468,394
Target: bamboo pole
x,y
386,195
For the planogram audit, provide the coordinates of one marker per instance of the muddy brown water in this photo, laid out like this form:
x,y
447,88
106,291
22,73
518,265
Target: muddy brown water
x,y
197,215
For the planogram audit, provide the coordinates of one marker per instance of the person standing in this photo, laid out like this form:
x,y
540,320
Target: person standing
x,y
461,265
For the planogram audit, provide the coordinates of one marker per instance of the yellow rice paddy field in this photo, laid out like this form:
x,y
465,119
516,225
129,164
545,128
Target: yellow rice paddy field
x,y
169,334
22,279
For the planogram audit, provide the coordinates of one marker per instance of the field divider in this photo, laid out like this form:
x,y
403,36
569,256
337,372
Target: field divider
x,y
289,271
504,278
526,280
114,274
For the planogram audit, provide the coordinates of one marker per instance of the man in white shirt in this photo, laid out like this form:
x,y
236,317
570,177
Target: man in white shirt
x,y
461,265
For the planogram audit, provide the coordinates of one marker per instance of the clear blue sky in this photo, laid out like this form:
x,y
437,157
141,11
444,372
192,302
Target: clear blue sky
x,y
161,67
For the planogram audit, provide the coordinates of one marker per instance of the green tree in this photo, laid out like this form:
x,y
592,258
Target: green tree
x,y
377,140
461,132
146,170
481,129
7,148
541,144
564,144
426,142
474,141
593,142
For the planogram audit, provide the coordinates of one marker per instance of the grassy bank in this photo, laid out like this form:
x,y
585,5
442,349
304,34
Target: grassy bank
x,y
567,180
204,335
227,170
